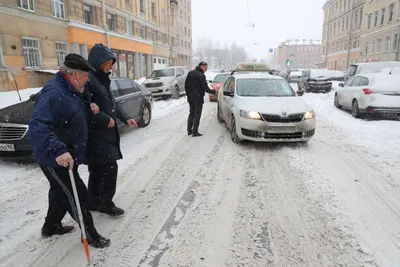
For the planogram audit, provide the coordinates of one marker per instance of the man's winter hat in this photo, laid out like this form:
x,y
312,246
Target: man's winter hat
x,y
203,64
77,62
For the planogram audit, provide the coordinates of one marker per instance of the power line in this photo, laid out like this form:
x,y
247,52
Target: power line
x,y
251,21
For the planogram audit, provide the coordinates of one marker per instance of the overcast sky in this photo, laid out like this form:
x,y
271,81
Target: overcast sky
x,y
275,21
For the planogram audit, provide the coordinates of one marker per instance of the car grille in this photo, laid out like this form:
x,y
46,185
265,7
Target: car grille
x,y
10,132
285,119
152,85
297,135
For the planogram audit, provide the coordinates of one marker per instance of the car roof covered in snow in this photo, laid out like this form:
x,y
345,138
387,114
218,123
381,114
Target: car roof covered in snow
x,y
256,75
381,79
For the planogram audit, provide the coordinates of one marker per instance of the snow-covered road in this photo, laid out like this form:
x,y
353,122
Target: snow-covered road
x,y
208,202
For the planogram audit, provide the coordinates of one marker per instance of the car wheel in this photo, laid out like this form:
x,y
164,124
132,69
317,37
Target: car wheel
x,y
336,102
176,93
234,136
355,111
219,115
146,117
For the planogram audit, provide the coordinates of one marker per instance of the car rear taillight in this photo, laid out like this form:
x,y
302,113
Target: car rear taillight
x,y
367,91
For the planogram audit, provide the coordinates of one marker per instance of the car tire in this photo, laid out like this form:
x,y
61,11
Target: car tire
x,y
145,117
336,102
355,111
219,116
234,137
176,93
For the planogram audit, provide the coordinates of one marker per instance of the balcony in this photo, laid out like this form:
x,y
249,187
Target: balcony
x,y
174,3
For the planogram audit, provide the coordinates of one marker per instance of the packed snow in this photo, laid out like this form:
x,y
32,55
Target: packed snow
x,y
11,97
208,202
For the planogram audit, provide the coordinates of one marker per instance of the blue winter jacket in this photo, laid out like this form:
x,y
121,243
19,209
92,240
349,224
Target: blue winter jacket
x,y
58,123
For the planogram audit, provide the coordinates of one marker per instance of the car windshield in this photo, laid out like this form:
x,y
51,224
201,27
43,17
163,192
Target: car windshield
x,y
162,73
352,70
221,78
264,87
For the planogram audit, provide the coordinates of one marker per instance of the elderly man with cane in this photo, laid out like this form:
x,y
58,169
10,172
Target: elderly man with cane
x,y
58,132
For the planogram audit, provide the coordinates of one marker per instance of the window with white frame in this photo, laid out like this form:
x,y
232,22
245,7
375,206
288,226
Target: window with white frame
x,y
395,42
143,32
376,18
373,47
366,48
391,12
387,44
369,20
162,16
154,37
58,8
378,45
153,10
142,5
129,27
27,4
111,21
88,14
383,16
32,53
61,51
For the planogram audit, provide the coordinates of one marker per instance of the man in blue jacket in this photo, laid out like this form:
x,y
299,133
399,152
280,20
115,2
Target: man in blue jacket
x,y
58,132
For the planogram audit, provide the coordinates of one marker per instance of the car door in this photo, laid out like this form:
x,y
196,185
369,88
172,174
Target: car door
x,y
181,78
224,98
303,79
117,95
129,99
138,100
349,91
342,91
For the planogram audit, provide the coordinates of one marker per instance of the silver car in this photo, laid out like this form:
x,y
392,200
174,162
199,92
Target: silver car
x,y
167,82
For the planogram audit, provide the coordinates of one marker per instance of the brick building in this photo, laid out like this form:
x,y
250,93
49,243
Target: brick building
x,y
304,56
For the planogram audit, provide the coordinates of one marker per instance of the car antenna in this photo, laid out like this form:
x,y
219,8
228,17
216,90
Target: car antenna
x,y
12,79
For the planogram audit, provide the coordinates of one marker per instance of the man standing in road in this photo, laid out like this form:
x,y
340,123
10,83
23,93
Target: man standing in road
x,y
195,87
104,140
58,132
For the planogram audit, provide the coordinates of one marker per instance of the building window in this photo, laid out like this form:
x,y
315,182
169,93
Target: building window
x,y
369,20
129,27
181,14
1,53
356,18
373,47
153,10
387,44
338,27
395,42
32,54
391,12
185,31
142,32
361,15
376,18
182,43
61,51
111,21
58,8
366,48
88,15
343,25
189,45
186,44
189,34
398,9
347,22
154,36
162,15
142,5
383,16
334,28
164,38
27,4
378,45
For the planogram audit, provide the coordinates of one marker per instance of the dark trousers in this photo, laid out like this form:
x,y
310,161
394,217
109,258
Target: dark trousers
x,y
194,116
61,199
102,184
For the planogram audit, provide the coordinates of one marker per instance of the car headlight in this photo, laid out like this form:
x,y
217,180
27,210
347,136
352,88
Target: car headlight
x,y
250,115
309,115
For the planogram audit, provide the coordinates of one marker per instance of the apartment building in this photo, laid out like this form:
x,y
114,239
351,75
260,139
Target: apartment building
x,y
303,56
381,31
36,35
181,12
341,33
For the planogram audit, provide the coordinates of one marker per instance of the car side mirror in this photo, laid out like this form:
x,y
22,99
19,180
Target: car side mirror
x,y
32,97
228,93
300,92
341,84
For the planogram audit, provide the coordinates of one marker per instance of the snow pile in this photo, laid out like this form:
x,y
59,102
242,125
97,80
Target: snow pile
x,y
11,97
164,107
48,71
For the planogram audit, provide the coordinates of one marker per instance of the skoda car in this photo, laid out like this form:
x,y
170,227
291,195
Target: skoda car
x,y
264,108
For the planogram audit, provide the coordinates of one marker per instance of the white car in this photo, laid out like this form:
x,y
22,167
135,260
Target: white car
x,y
373,93
264,108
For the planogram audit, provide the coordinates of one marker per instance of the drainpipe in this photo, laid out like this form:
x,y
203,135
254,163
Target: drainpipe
x,y
105,26
350,35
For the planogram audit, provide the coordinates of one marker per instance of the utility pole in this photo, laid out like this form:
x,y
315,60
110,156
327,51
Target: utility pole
x,y
350,35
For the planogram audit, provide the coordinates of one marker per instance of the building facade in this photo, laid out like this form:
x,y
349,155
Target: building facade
x,y
341,33
36,35
381,31
303,56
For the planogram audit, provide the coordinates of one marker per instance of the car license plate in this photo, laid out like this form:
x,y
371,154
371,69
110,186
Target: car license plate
x,y
281,129
7,147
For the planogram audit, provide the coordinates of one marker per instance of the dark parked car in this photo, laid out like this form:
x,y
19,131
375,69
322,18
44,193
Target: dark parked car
x,y
315,81
14,140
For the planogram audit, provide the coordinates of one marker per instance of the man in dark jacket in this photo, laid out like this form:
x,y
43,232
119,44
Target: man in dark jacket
x,y
58,132
104,140
195,87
